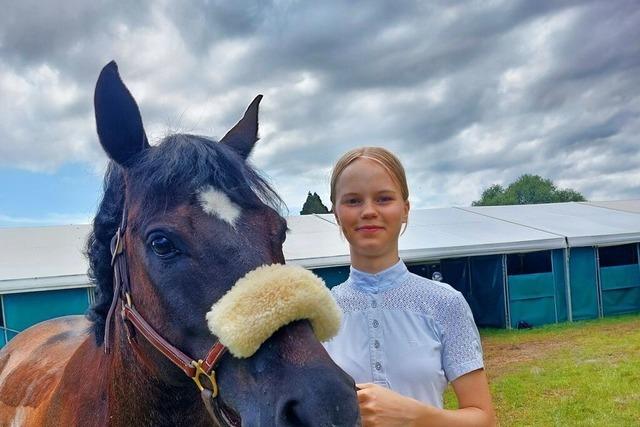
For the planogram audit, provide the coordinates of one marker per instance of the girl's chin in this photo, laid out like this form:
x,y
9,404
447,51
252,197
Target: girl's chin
x,y
371,251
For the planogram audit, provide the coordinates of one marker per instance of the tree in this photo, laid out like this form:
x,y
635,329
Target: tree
x,y
526,190
313,204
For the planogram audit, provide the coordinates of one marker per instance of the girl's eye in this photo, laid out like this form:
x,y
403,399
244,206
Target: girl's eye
x,y
163,247
384,199
352,201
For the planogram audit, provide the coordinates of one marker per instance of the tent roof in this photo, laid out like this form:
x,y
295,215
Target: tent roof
x,y
43,258
52,257
619,205
315,240
582,224
450,232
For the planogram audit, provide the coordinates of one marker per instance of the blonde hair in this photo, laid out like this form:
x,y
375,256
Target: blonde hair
x,y
380,155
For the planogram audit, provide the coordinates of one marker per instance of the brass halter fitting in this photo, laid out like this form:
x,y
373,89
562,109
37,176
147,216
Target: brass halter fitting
x,y
201,372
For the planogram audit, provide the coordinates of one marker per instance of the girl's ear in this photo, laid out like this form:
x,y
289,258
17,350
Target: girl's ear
x,y
407,206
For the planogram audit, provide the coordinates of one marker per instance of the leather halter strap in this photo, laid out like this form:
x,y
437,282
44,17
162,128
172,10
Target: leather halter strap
x,y
180,359
134,322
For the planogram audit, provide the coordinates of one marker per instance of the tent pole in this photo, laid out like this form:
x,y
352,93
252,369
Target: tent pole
x,y
505,291
567,281
598,284
553,273
4,320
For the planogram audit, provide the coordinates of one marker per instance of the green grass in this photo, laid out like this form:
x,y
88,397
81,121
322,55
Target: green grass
x,y
573,374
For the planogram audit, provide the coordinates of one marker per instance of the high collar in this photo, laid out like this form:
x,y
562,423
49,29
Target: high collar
x,y
384,280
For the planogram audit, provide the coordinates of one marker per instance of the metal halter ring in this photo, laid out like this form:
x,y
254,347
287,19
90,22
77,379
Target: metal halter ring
x,y
211,377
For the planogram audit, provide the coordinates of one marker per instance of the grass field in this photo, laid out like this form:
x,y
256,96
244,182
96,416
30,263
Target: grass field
x,y
573,374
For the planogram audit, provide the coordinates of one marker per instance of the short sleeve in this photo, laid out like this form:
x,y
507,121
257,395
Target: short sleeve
x,y
461,346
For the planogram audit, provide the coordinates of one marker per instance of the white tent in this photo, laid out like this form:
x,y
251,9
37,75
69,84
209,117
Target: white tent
x,y
453,232
43,258
582,224
619,205
52,257
315,241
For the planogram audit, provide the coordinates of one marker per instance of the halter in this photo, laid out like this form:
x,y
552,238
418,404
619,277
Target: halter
x,y
202,371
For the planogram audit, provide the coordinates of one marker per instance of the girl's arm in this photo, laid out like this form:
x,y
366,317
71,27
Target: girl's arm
x,y
380,406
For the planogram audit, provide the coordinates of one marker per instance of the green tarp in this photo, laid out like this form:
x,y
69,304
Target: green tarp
x,y
532,299
620,289
584,287
558,263
26,309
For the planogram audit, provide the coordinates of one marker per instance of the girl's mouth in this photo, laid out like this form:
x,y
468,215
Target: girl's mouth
x,y
369,228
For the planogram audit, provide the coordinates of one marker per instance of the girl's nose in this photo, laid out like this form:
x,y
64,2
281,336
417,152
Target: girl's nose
x,y
369,210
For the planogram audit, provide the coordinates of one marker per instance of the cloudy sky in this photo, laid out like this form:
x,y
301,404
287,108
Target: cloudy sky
x,y
468,94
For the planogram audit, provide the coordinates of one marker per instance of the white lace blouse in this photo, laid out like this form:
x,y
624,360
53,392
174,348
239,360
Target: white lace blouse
x,y
404,332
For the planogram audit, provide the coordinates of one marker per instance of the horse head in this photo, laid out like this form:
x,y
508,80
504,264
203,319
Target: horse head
x,y
198,218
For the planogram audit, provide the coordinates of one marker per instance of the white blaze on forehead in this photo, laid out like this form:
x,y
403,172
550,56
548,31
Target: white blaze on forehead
x,y
215,202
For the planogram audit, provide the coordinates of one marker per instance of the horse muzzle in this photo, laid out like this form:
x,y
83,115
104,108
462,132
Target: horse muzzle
x,y
264,321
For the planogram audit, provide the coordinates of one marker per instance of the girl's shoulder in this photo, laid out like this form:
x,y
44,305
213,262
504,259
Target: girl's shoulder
x,y
422,288
421,295
417,294
348,298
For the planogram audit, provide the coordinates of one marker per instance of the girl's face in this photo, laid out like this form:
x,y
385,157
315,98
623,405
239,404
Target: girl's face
x,y
370,210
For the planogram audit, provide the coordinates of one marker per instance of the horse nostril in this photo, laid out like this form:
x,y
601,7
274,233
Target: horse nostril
x,y
289,415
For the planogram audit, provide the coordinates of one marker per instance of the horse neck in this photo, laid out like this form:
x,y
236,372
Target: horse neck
x,y
142,393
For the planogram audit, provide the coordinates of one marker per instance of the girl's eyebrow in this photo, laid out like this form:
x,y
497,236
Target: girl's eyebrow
x,y
353,193
386,191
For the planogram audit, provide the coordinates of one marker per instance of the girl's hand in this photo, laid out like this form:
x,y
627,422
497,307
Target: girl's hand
x,y
380,406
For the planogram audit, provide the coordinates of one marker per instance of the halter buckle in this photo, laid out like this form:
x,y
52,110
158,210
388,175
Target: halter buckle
x,y
117,248
201,372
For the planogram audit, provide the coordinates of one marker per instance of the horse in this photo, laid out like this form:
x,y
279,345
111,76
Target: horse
x,y
179,223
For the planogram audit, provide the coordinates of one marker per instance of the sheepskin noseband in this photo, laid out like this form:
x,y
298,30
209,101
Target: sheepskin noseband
x,y
268,298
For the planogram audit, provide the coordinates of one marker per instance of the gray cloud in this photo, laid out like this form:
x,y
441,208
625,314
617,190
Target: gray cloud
x,y
468,94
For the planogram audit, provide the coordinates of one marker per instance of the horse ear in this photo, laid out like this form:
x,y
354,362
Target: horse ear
x,y
118,118
243,136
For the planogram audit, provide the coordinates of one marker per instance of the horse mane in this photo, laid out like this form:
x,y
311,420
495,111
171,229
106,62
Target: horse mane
x,y
181,163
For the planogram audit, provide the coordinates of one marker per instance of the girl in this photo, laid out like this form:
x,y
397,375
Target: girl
x,y
403,337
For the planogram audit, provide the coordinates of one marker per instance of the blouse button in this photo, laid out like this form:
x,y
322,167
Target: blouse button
x,y
378,366
376,344
375,323
374,304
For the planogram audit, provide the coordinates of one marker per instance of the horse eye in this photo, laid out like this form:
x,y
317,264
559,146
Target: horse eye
x,y
163,246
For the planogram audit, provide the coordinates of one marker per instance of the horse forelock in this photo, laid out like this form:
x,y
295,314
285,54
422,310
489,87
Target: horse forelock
x,y
179,170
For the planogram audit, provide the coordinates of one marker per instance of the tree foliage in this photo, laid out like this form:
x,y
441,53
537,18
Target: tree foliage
x,y
313,204
526,190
